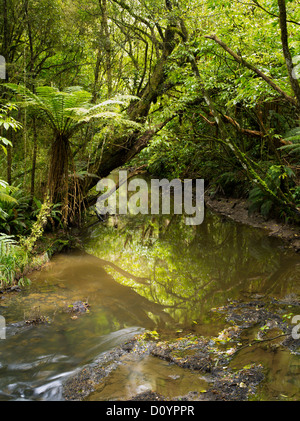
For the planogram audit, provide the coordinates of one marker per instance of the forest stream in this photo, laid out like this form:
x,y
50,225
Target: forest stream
x,y
154,276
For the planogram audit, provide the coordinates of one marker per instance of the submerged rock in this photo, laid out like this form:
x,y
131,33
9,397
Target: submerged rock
x,y
192,353
79,307
235,386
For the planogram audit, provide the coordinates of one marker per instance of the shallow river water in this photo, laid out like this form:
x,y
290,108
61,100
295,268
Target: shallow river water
x,y
142,273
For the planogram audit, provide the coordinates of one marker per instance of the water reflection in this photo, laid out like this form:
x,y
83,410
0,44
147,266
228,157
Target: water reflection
x,y
143,374
189,270
137,272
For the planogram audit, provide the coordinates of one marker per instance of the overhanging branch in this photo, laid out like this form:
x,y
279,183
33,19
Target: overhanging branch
x,y
250,66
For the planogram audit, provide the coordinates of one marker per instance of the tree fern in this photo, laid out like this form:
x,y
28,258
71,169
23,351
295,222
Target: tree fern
x,y
65,111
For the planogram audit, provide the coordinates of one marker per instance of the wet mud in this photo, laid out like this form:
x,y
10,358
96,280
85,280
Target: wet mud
x,y
252,324
238,211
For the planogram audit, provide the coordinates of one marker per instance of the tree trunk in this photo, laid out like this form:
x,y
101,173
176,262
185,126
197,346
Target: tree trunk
x,y
107,46
58,184
5,45
9,163
34,156
286,51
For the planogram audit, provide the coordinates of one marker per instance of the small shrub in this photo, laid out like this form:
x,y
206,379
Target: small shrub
x,y
13,260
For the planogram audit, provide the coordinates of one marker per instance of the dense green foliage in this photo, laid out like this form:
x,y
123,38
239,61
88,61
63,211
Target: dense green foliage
x,y
190,89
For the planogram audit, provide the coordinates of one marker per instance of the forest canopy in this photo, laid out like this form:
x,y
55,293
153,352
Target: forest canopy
x,y
197,89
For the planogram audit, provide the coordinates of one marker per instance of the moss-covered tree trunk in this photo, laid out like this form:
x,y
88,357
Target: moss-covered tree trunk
x,y
138,111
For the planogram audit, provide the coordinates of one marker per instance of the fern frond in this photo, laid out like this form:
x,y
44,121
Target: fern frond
x,y
6,198
7,245
292,136
293,132
109,115
5,191
25,93
7,239
294,148
3,214
65,110
105,115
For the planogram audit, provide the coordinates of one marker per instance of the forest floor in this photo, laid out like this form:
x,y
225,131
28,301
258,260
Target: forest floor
x,y
237,210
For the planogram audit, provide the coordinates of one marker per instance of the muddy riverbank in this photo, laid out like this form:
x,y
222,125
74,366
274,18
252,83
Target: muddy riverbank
x,y
238,211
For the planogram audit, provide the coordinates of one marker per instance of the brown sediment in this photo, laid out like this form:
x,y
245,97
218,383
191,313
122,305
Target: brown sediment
x,y
211,357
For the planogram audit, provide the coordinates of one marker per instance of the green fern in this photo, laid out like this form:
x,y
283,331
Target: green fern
x,y
7,122
6,241
13,260
5,197
66,110
7,259
258,200
292,136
